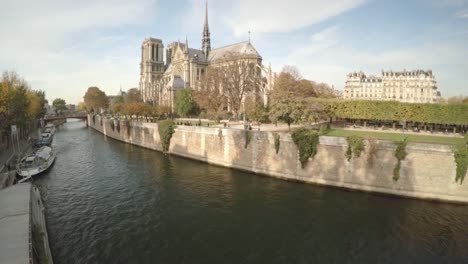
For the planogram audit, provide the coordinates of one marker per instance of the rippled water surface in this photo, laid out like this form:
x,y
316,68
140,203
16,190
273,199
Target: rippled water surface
x,y
109,202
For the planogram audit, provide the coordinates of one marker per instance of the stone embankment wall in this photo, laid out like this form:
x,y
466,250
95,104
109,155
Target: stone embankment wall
x,y
428,172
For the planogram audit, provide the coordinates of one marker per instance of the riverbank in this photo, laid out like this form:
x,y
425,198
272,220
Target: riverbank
x,y
428,171
23,232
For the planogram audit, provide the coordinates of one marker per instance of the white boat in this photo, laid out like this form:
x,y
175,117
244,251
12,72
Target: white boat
x,y
39,161
46,139
49,128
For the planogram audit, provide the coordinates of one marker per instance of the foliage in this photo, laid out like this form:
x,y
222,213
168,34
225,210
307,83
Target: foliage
x,y
59,105
117,104
95,99
403,112
396,136
133,96
248,137
323,129
111,123
276,137
255,111
291,84
236,75
461,159
18,103
166,129
210,96
81,106
400,154
355,145
183,103
372,151
136,108
36,105
306,141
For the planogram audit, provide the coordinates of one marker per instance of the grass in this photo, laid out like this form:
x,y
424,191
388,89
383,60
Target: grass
x,y
397,136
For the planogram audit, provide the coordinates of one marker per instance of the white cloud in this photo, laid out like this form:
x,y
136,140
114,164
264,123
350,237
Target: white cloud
x,y
53,44
326,58
462,14
263,16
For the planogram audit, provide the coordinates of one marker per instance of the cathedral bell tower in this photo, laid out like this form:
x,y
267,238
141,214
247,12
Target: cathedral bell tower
x,y
206,42
151,67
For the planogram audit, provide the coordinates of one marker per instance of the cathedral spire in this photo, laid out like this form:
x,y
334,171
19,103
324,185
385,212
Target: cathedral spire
x,y
206,42
186,45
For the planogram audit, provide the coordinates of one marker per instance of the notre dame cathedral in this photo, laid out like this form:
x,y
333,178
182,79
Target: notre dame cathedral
x,y
185,67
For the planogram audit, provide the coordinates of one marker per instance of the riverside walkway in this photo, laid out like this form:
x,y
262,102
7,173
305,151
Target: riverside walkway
x,y
23,232
14,224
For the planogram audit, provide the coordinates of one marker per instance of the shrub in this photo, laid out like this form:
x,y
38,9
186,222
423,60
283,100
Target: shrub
x,y
165,129
111,123
276,136
248,137
372,151
355,145
400,154
306,141
461,159
324,129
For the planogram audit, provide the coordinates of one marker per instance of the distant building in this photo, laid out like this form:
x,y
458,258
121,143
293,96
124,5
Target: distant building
x,y
405,86
71,107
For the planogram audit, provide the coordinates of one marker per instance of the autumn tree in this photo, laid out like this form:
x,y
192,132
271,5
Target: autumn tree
x,y
14,101
210,96
81,106
59,105
37,102
133,95
117,104
95,99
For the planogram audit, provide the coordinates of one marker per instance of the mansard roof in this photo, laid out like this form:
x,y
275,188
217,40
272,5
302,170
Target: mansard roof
x,y
242,48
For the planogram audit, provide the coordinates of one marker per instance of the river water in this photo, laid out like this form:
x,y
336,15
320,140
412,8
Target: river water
x,y
110,202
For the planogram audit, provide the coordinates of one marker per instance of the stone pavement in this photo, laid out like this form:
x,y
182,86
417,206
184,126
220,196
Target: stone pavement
x,y
14,224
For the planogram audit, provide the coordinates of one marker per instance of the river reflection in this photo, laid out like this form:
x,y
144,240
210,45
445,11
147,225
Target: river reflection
x,y
109,202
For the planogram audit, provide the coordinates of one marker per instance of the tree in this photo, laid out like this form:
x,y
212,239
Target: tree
x,y
95,99
117,104
210,97
14,102
255,111
133,95
238,76
81,106
183,103
59,105
37,102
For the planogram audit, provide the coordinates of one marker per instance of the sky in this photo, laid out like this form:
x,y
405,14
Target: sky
x,y
65,46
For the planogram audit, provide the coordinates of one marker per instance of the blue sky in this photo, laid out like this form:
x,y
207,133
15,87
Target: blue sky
x,y
65,46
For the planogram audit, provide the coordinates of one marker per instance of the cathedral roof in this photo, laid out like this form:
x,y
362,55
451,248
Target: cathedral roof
x,y
194,53
243,48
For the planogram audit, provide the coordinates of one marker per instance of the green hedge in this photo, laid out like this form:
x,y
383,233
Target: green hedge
x,y
456,114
